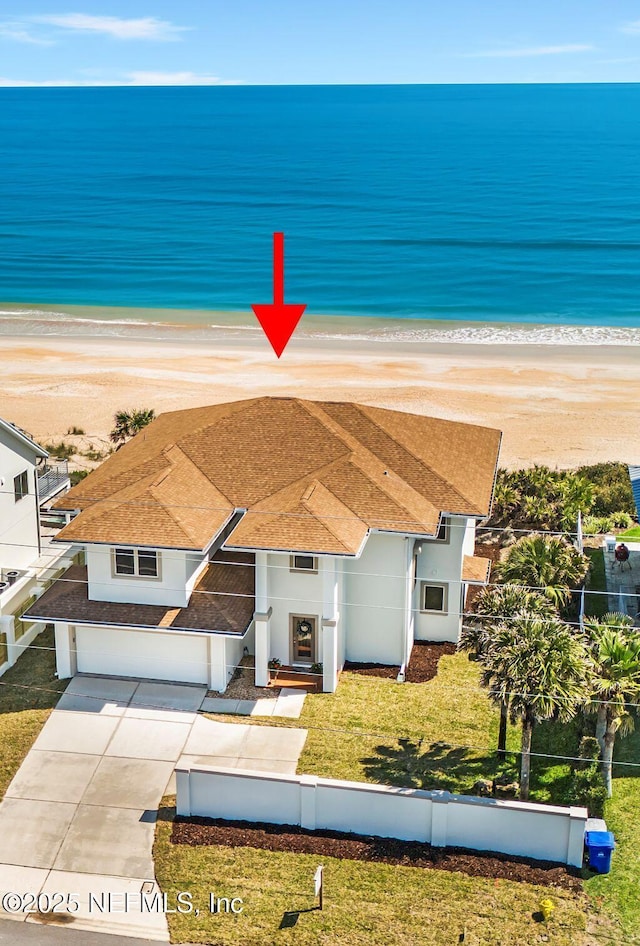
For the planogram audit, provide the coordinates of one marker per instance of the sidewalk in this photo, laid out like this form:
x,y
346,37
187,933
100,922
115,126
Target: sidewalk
x,y
623,583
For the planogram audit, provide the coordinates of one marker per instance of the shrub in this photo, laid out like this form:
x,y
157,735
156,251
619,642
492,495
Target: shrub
x,y
621,520
76,475
599,525
95,455
611,486
75,431
540,498
537,497
62,450
587,784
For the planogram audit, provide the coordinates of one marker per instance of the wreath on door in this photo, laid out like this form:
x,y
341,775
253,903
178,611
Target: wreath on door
x,y
303,629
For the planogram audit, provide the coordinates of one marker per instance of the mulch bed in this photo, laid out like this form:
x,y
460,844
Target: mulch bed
x,y
423,665
272,837
372,670
425,655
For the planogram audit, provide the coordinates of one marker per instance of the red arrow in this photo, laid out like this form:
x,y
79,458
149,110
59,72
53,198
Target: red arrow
x,y
278,320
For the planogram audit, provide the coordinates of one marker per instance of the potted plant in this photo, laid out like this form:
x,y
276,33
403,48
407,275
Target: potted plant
x,y
274,665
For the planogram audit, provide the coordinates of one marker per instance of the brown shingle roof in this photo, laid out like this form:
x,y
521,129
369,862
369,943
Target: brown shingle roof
x,y
475,569
313,476
227,607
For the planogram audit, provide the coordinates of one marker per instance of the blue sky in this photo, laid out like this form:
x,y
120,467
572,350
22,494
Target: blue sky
x,y
318,41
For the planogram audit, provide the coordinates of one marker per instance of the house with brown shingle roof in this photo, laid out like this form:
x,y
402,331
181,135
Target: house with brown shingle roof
x,y
309,532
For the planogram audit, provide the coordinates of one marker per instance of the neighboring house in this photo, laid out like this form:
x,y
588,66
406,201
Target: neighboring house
x,y
311,532
19,501
634,476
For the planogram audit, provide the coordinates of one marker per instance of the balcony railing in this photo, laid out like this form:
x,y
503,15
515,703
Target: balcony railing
x,y
53,476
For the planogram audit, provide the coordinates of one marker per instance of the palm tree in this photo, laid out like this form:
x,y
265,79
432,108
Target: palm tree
x,y
494,605
594,627
538,510
616,653
129,423
576,496
550,564
505,498
541,668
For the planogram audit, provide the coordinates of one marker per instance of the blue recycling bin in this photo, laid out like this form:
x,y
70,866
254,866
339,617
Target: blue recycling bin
x,y
600,845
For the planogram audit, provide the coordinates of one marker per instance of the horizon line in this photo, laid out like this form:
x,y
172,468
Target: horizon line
x,y
273,85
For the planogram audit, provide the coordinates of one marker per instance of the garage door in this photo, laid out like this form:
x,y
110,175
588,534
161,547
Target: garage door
x,y
159,656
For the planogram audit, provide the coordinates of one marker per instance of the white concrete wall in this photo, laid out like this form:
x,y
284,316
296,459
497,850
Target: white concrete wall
x,y
374,601
543,832
178,573
441,563
18,520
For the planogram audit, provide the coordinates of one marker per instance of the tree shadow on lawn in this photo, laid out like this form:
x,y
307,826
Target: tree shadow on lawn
x,y
432,766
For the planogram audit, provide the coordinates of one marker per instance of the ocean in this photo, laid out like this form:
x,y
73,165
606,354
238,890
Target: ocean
x,y
442,205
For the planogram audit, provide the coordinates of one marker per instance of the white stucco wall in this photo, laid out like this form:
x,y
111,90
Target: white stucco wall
x,y
234,648
178,573
441,563
290,592
18,520
374,601
544,832
469,541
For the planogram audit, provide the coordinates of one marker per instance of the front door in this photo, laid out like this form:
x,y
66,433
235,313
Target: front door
x,y
303,639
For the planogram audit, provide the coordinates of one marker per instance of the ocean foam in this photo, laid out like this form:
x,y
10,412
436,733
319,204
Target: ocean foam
x,y
58,322
498,334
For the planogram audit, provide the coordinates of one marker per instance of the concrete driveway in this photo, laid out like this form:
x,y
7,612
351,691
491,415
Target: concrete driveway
x,y
79,816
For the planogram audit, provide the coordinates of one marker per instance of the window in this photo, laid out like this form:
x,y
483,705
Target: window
x,y
434,597
21,485
125,561
148,564
303,563
136,563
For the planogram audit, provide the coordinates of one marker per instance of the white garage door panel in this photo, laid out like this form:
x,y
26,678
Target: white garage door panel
x,y
159,656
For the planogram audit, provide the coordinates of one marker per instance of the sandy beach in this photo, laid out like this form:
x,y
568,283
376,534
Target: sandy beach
x,y
556,404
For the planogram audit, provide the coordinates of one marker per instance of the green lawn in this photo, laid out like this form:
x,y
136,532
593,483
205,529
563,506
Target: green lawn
x,y
374,729
596,605
366,904
28,691
404,734
631,535
617,893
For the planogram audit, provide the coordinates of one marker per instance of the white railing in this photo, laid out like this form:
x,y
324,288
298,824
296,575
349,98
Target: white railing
x,y
52,478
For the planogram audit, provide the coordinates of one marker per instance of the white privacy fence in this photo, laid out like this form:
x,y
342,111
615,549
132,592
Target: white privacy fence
x,y
518,828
